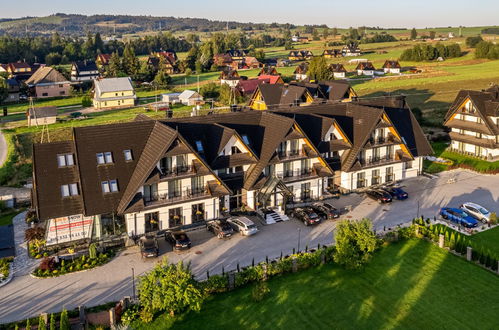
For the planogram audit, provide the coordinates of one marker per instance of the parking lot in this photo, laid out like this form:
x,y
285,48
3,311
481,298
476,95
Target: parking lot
x,y
26,296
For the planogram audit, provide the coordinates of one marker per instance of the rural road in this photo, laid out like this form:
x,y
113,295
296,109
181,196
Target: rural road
x,y
25,296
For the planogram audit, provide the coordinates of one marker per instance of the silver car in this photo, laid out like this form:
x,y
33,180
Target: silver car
x,y
476,211
243,225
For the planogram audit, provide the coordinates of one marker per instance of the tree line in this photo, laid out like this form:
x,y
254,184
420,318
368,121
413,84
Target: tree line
x,y
57,49
429,53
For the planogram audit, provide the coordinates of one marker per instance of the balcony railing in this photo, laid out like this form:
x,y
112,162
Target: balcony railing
x,y
176,196
380,140
291,154
295,174
177,171
377,160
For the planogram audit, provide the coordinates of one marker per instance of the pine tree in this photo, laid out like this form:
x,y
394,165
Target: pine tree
x,y
414,34
130,62
64,321
28,325
52,322
41,323
114,68
452,242
98,44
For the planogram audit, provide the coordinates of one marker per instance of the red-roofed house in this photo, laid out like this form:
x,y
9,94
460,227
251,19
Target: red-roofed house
x,y
272,79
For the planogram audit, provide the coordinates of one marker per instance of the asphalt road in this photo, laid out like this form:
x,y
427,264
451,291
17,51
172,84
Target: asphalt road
x,y
25,296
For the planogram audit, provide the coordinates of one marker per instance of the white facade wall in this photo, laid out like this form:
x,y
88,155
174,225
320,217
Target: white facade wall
x,y
339,74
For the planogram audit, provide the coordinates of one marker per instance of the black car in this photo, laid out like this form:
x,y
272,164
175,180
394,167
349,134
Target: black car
x,y
326,210
149,247
220,228
379,195
306,215
397,193
178,239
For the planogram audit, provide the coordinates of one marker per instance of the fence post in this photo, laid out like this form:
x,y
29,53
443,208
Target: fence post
x,y
469,253
295,264
441,241
112,318
82,316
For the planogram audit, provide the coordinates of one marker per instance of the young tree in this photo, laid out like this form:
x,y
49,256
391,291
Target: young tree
x,y
115,67
64,321
473,41
325,33
162,79
318,69
334,32
41,323
169,288
432,35
355,243
210,91
414,34
315,34
52,322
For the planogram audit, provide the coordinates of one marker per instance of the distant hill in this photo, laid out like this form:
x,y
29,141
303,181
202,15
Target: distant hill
x,y
79,25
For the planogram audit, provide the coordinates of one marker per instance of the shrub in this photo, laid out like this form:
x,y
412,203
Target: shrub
x,y
28,324
64,321
92,251
52,322
34,233
86,101
47,264
131,314
260,290
215,284
408,232
355,243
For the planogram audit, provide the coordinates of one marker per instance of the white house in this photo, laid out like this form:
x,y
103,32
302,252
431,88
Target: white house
x,y
189,97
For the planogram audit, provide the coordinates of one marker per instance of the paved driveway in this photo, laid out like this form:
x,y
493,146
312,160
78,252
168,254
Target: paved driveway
x,y
26,296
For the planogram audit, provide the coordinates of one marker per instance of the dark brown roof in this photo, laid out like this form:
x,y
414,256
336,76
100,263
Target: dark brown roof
x,y
46,75
337,67
302,68
365,66
391,65
269,71
42,112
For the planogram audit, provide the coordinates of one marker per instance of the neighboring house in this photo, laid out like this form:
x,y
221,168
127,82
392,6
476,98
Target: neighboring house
x,y
169,55
229,77
14,89
269,71
391,67
237,54
299,39
338,70
331,53
250,62
48,82
268,96
189,97
473,120
329,91
300,55
365,69
170,98
301,71
283,62
182,172
271,79
164,63
82,71
20,71
352,49
248,87
113,93
102,60
222,60
41,116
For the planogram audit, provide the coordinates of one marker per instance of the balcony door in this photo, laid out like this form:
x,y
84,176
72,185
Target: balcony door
x,y
197,184
151,192
175,217
198,213
174,189
151,222
166,165
306,194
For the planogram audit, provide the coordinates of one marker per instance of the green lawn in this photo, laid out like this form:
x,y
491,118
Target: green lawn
x,y
488,239
6,218
408,285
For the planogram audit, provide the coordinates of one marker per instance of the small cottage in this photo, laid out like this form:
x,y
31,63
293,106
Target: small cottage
x,y
365,69
391,67
338,70
48,82
189,97
41,116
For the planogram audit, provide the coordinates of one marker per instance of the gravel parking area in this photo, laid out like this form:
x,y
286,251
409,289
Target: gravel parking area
x,y
26,296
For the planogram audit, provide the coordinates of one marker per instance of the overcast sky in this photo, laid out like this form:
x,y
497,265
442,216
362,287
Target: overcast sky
x,y
383,13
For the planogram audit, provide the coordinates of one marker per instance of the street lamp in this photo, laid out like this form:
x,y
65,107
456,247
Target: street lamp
x,y
299,233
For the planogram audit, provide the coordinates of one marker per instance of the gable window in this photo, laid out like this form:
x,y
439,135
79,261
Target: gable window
x,y
104,158
235,150
109,186
68,190
65,160
128,155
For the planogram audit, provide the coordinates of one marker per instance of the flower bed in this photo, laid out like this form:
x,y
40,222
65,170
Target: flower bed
x,y
49,267
5,269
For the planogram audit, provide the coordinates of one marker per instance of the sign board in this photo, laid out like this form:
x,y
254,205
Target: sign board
x,y
70,228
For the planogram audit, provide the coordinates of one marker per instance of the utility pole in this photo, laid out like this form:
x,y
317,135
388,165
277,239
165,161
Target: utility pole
x,y
133,283
198,84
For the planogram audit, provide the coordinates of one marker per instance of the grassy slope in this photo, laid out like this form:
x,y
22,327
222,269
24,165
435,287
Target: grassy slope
x,y
489,239
408,285
6,218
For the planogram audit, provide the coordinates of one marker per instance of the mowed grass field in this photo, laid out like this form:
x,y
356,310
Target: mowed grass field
x,y
488,239
408,285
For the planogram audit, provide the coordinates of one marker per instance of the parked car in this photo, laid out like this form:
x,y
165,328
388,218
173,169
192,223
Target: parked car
x,y
458,216
220,228
379,195
243,225
306,215
397,193
326,210
178,239
478,212
149,247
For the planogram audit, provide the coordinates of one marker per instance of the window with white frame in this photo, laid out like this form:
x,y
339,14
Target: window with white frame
x,y
68,190
128,155
109,186
65,160
104,158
